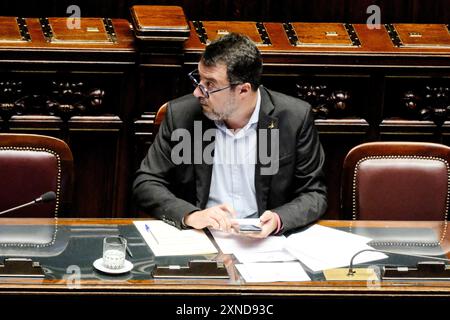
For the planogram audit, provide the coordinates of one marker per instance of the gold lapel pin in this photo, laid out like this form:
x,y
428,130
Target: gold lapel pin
x,y
271,125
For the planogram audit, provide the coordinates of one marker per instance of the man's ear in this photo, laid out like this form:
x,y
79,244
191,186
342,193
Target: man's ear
x,y
245,88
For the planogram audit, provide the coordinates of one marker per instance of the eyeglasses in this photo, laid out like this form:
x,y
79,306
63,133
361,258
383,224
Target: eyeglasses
x,y
194,76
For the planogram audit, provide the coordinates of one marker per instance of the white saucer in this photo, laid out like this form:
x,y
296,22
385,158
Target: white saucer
x,y
98,264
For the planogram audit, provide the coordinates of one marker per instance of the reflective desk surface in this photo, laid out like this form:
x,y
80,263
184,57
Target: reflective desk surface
x,y
69,270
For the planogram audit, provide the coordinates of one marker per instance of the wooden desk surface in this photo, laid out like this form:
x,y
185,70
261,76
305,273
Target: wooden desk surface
x,y
94,283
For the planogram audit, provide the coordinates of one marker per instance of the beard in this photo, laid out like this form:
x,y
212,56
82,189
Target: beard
x,y
213,114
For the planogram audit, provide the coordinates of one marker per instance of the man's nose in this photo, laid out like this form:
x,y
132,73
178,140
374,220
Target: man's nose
x,y
198,93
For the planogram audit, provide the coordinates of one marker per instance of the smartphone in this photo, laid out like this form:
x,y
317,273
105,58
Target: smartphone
x,y
249,228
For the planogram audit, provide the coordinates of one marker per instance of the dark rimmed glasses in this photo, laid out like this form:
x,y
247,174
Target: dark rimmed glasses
x,y
194,76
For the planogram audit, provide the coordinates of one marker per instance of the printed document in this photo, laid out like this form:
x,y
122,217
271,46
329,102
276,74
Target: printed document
x,y
321,248
272,272
233,243
166,240
271,256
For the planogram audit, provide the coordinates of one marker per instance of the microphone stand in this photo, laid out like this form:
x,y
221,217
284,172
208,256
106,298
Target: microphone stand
x,y
18,207
46,197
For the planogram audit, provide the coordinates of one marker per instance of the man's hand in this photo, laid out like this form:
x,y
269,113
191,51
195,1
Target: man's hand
x,y
217,217
269,224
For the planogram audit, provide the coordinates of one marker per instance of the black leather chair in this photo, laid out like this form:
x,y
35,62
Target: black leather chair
x,y
396,181
31,165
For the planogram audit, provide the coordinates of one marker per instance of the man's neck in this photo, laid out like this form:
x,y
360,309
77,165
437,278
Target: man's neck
x,y
243,114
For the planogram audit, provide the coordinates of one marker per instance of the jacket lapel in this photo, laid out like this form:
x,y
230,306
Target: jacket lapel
x,y
265,122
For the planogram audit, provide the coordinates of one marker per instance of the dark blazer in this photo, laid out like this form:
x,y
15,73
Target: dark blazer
x,y
296,192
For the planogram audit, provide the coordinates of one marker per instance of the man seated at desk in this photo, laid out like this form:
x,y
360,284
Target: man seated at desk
x,y
233,149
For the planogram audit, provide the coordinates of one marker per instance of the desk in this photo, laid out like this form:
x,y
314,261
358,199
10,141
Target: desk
x,y
84,245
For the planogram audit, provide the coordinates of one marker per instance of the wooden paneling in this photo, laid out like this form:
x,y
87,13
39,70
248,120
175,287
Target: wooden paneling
x,y
78,86
416,11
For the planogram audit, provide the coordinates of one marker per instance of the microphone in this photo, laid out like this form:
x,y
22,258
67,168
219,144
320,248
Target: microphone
x,y
352,272
46,197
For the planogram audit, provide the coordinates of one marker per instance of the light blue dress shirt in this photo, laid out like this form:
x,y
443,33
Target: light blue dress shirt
x,y
233,174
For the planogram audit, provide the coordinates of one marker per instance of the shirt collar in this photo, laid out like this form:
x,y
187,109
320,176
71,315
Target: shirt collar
x,y
255,115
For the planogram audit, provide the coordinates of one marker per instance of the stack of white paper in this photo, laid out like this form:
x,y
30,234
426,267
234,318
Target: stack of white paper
x,y
271,256
272,272
322,248
251,250
166,240
318,247
232,243
245,249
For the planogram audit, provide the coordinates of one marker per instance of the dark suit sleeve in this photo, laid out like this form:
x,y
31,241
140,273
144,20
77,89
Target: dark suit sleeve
x,y
309,189
151,187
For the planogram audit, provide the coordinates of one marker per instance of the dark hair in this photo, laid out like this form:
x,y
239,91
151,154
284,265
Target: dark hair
x,y
240,55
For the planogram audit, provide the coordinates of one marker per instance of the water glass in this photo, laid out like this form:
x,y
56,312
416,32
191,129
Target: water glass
x,y
114,249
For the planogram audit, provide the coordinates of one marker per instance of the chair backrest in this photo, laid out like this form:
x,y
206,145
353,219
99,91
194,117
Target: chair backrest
x,y
396,181
31,165
159,117
160,114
